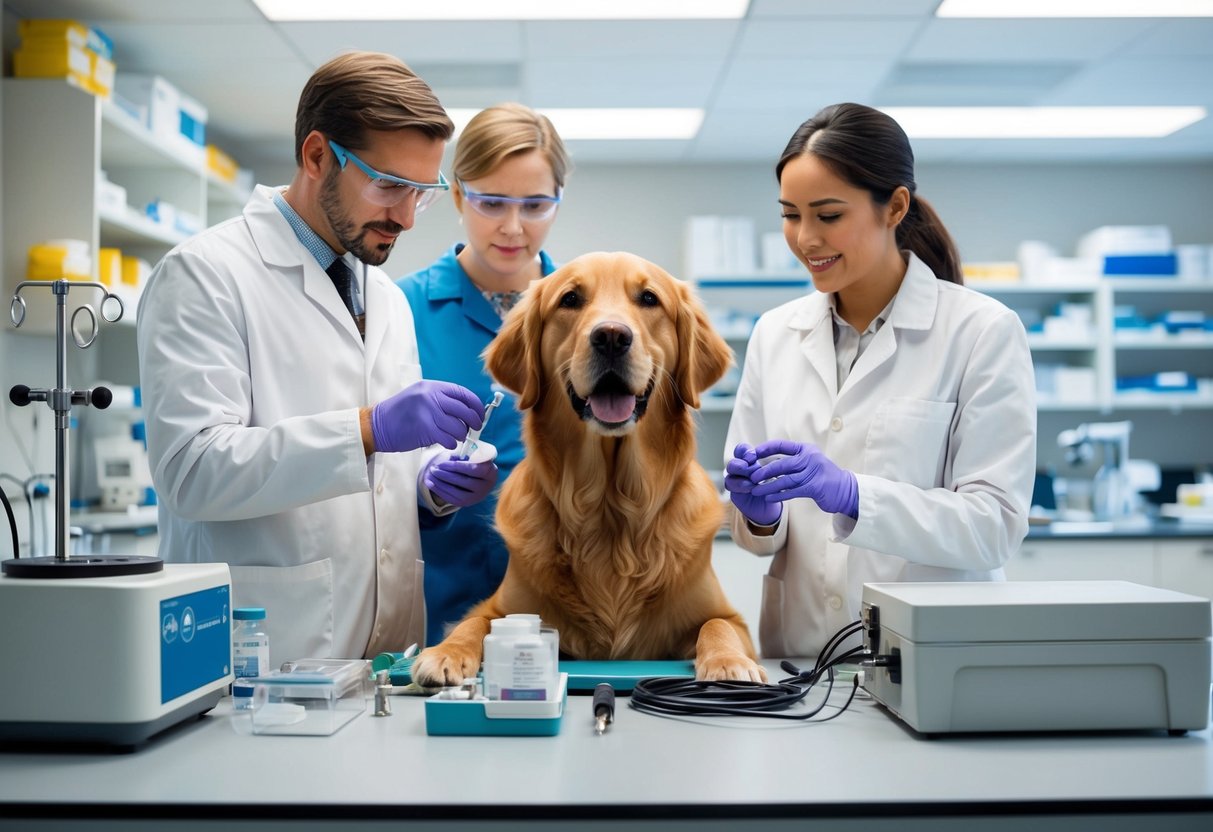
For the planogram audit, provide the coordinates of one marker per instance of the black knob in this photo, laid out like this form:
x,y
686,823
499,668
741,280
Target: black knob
x,y
19,395
100,397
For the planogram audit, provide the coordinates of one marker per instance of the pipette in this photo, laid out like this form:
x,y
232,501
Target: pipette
x,y
469,444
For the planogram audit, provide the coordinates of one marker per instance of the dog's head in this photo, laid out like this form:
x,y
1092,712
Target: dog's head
x,y
608,332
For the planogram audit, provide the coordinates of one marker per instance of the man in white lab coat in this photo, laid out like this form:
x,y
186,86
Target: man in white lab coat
x,y
289,431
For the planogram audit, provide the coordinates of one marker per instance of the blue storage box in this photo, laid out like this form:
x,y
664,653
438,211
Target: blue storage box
x,y
1141,265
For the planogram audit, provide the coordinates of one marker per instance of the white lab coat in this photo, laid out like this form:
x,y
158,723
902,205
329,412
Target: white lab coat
x,y
937,420
253,373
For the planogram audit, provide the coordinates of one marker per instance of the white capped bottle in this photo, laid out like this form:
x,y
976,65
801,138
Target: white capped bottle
x,y
250,643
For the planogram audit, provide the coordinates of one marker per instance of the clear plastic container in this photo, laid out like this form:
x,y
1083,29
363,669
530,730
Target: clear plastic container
x,y
250,643
309,696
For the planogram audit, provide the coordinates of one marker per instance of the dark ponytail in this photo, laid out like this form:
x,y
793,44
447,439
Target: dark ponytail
x,y
870,151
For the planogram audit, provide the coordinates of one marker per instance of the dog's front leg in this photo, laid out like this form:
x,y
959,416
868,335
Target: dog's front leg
x,y
456,658
721,654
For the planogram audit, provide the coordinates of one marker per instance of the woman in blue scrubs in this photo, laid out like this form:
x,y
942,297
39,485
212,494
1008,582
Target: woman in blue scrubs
x,y
509,167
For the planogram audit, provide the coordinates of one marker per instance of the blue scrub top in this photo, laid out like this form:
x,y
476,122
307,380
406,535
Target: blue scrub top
x,y
465,559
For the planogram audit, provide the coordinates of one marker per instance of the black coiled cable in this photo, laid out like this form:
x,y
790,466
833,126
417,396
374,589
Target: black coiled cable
x,y
680,697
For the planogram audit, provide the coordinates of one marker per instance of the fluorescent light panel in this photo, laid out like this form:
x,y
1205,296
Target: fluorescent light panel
x,y
502,9
1043,122
1075,8
612,123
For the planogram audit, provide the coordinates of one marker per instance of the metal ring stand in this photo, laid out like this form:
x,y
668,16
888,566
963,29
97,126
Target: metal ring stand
x,y
60,399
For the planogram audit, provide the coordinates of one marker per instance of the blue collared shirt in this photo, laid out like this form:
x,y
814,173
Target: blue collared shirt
x,y
321,250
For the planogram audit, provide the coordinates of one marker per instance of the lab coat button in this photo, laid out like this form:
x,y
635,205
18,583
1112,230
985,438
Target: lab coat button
x,y
836,424
383,555
835,602
379,488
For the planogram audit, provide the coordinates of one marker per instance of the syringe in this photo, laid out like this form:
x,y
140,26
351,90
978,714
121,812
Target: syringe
x,y
469,444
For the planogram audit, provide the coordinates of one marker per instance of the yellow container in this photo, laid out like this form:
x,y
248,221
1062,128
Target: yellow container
x,y
59,259
61,61
135,271
109,266
220,164
70,31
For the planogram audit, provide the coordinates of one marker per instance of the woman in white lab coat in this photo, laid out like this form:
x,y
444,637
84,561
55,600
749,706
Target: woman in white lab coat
x,y
289,431
885,425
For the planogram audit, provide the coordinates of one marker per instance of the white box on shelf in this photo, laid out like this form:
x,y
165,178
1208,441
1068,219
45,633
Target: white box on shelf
x,y
701,247
1075,385
173,117
1125,239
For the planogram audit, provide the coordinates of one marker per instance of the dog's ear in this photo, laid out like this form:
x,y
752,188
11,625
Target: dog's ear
x,y
513,356
703,356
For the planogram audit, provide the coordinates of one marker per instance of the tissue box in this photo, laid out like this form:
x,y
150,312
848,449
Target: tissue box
x,y
313,697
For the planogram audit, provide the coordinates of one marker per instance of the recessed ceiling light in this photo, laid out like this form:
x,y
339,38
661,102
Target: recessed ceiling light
x,y
1075,8
611,123
502,9
1043,122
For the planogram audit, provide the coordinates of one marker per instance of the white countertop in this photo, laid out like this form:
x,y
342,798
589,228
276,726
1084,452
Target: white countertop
x,y
865,763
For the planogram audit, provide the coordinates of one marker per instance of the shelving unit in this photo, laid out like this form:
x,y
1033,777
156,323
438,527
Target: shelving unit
x,y
1106,351
57,139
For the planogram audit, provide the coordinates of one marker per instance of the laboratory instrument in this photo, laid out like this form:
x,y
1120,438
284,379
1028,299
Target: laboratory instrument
x,y
1037,655
470,445
148,645
1113,496
604,707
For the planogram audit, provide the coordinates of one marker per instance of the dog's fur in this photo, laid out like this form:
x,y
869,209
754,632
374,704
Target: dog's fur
x,y
609,521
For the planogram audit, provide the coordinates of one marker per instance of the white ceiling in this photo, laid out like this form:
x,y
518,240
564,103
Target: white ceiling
x,y
757,78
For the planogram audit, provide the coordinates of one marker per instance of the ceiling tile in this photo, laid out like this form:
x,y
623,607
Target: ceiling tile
x,y
548,40
1140,81
488,42
1174,39
825,38
1023,40
640,83
798,82
138,11
833,8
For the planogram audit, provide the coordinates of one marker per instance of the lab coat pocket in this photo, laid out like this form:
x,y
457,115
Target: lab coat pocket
x,y
908,441
770,622
298,602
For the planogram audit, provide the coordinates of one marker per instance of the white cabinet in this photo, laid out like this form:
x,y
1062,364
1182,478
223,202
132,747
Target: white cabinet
x,y
1181,564
1185,565
1083,560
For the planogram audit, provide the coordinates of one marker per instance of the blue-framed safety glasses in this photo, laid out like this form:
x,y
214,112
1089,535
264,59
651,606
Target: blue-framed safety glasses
x,y
387,191
530,208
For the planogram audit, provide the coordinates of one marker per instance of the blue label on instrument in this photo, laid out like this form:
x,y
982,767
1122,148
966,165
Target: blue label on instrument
x,y
195,640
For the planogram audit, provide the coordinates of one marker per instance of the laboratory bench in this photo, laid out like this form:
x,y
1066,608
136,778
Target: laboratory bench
x,y
862,770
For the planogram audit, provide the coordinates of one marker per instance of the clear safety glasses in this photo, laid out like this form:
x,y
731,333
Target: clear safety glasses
x,y
388,191
494,207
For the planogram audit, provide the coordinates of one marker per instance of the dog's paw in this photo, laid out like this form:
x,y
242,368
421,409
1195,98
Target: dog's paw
x,y
443,666
728,667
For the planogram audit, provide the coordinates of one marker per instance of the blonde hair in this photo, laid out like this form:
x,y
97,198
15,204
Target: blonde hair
x,y
361,91
499,132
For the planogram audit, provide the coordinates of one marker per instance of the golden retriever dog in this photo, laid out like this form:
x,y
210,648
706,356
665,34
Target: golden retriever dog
x,y
609,519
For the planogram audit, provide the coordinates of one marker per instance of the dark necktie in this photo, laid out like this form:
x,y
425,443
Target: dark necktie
x,y
343,279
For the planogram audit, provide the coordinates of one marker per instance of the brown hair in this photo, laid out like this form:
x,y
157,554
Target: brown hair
x,y
496,133
361,91
869,150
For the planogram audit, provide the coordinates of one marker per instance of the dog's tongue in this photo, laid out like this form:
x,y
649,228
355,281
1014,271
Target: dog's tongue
x,y
612,407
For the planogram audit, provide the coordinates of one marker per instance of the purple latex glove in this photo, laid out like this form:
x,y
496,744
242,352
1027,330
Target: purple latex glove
x,y
425,413
459,482
802,470
740,487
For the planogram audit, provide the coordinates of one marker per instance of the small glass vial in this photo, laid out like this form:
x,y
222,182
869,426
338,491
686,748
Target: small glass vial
x,y
250,643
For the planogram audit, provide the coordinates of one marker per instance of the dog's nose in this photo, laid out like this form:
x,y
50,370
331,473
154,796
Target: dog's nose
x,y
611,339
